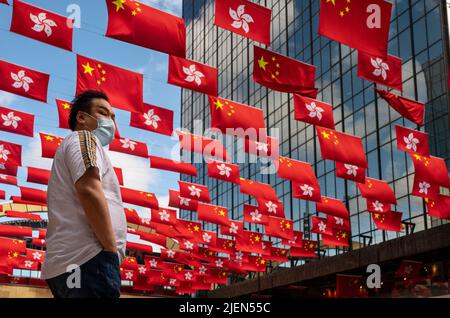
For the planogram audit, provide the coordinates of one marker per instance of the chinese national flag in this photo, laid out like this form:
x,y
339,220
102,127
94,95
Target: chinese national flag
x,y
280,227
202,145
252,215
13,230
412,141
177,201
258,189
410,109
192,75
284,74
308,249
7,179
250,242
349,286
63,113
274,208
123,87
34,195
133,22
119,175
42,25
153,237
129,147
431,169
213,214
439,207
194,191
385,71
333,207
314,112
140,198
245,18
223,246
234,228
16,122
188,229
350,172
255,264
164,216
377,190
131,215
38,175
320,226
278,255
23,215
223,171
10,250
23,81
49,145
361,24
10,154
171,165
236,119
389,221
339,238
153,118
409,269
342,147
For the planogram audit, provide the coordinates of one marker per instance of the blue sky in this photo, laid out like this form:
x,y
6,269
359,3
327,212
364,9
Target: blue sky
x,y
90,41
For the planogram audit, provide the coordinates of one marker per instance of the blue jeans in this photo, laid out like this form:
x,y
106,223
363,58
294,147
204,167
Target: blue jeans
x,y
99,278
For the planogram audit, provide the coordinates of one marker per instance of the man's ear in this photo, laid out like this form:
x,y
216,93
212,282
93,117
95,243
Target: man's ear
x,y
81,119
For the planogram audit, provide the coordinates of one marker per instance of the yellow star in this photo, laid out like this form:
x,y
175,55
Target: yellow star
x,y
222,213
50,138
332,1
196,228
377,216
262,64
257,238
218,104
263,262
66,106
288,225
119,4
88,69
133,12
341,13
325,135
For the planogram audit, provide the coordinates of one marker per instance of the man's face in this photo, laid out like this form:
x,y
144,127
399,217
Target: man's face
x,y
100,108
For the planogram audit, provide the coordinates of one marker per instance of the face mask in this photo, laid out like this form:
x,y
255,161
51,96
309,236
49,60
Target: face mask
x,y
105,130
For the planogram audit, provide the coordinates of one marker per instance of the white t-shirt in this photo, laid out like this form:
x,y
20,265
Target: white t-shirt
x,y
70,239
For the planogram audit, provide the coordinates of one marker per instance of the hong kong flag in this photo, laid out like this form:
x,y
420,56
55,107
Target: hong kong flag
x,y
341,147
410,109
192,75
297,241
123,87
338,223
140,198
213,214
49,145
233,229
431,169
308,249
333,207
320,226
385,71
377,190
389,221
313,111
223,171
38,175
133,21
194,191
42,25
130,147
272,208
16,122
423,187
412,141
172,165
252,215
155,119
23,81
5,168
350,172
177,201
377,206
284,74
164,216
280,227
362,24
6,179
245,18
267,147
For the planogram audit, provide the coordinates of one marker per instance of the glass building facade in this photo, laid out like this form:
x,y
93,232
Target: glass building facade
x,y
418,35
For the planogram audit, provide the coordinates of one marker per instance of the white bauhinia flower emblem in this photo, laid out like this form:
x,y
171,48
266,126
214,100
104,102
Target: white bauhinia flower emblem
x,y
151,119
314,110
42,23
239,255
233,228
153,263
4,153
127,143
351,169
28,264
188,276
241,19
307,190
11,120
145,221
322,226
36,255
193,75
423,187
3,176
164,216
256,216
224,170
184,201
170,254
411,142
260,146
142,270
202,270
378,206
188,245
271,207
206,237
339,221
381,68
263,245
172,281
21,80
195,191
128,275
219,263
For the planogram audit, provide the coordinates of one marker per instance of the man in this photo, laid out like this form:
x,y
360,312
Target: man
x,y
86,234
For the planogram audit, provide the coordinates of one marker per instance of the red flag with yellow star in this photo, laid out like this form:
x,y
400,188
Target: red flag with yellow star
x,y
308,249
223,246
349,286
284,74
431,169
258,189
42,25
250,242
64,108
10,251
278,255
213,214
360,24
313,112
410,109
280,227
333,207
377,190
123,87
388,221
49,145
188,229
245,18
202,145
16,122
140,198
255,264
237,119
439,207
339,238
338,146
132,21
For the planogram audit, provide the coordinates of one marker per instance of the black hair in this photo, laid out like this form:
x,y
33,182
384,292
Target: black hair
x,y
83,102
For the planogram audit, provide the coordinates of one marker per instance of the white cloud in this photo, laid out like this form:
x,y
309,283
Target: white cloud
x,y
171,6
6,98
